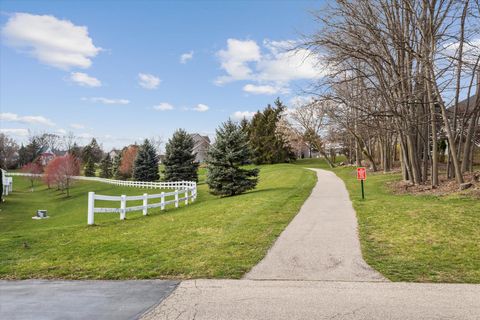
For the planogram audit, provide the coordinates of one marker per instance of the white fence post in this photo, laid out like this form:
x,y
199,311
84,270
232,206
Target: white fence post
x,y
91,206
145,204
176,198
162,201
123,206
186,196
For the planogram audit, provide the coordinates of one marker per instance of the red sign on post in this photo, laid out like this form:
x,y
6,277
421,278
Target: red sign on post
x,y
361,173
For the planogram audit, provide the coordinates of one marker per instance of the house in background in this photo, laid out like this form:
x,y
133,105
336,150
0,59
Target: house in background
x,y
46,156
200,147
113,153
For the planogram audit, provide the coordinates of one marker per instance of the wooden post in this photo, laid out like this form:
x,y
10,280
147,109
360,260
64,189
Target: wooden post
x,y
176,198
91,206
186,196
123,206
162,207
145,204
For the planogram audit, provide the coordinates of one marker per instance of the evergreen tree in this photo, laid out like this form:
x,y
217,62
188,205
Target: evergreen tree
x,y
230,150
92,151
90,168
146,163
267,145
22,156
75,151
32,150
116,165
106,167
179,158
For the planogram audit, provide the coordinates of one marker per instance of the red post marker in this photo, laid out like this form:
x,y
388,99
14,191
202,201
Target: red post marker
x,y
362,175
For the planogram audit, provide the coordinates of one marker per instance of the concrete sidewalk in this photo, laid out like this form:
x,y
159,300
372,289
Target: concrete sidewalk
x,y
277,300
321,242
115,300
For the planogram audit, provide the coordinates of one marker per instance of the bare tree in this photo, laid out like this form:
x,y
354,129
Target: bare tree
x,y
391,64
311,120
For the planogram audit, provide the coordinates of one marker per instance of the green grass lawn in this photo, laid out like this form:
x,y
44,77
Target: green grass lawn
x,y
405,237
415,238
212,238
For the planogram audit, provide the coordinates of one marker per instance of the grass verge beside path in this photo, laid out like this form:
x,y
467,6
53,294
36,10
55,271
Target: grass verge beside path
x,y
414,238
213,238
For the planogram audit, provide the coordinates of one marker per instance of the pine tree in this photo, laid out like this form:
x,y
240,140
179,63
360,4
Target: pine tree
x,y
267,145
106,167
89,168
92,151
179,158
22,156
116,165
230,150
146,163
76,151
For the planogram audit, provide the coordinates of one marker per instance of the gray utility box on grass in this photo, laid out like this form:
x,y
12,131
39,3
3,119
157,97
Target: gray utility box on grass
x,y
41,214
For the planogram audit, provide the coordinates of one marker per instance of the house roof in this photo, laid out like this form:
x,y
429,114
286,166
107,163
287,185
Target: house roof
x,y
466,105
198,138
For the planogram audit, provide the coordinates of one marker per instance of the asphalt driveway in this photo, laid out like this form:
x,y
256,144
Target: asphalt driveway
x,y
42,299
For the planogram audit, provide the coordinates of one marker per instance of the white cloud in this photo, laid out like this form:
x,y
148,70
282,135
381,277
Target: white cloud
x,y
201,107
299,101
184,58
106,100
272,68
164,106
471,50
77,126
62,131
54,42
281,65
148,81
85,80
15,132
85,136
236,58
264,89
13,117
239,115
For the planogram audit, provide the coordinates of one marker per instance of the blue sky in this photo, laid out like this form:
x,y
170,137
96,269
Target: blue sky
x,y
114,70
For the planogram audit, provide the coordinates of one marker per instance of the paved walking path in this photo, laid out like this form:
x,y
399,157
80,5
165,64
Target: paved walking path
x,y
321,242
315,271
292,300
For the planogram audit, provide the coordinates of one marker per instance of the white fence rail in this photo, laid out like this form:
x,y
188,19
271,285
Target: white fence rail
x,y
7,185
135,184
187,191
184,191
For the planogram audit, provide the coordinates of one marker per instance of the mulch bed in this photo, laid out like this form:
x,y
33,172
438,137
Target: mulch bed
x,y
446,186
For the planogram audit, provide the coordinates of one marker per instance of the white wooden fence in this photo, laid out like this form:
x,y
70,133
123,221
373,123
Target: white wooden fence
x,y
186,188
135,184
7,183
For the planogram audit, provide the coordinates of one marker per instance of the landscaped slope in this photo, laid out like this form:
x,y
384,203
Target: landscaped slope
x,y
213,238
414,237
